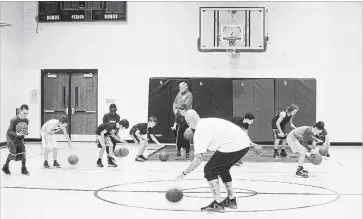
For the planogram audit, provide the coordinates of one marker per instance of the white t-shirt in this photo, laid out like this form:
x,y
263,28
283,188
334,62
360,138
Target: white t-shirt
x,y
216,134
50,126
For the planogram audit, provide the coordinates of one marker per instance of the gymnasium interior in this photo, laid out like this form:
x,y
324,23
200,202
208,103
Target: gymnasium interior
x,y
76,58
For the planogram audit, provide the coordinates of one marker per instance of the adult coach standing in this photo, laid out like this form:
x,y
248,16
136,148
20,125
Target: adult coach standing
x,y
184,97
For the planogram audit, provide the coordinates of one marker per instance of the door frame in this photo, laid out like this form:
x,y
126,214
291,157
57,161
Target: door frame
x,y
69,72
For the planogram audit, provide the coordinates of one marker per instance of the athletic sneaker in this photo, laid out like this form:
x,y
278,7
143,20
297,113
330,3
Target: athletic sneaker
x,y
187,156
283,153
139,159
305,171
178,155
214,207
46,165
112,158
24,171
328,155
276,154
142,157
301,173
111,163
6,170
229,203
99,163
56,164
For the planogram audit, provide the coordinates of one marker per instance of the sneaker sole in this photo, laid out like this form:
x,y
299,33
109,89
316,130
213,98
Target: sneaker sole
x,y
140,160
301,176
231,207
214,211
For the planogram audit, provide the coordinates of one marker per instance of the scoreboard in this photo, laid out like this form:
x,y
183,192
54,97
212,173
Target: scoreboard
x,y
51,11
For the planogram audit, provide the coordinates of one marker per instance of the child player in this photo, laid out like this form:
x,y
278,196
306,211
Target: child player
x,y
138,133
49,141
182,125
279,121
304,134
244,123
104,132
15,141
322,139
111,116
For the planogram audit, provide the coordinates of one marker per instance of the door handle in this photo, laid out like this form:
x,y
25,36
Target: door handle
x,y
55,111
85,111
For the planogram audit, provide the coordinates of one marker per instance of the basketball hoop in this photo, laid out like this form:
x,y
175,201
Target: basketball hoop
x,y
231,35
5,25
4,29
231,47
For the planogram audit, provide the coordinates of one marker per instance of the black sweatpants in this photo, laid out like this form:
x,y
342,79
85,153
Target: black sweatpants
x,y
220,164
181,142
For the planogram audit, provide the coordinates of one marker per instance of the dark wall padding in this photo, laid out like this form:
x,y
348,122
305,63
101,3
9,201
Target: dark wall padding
x,y
242,97
222,98
305,98
284,97
202,96
263,105
228,97
255,96
301,92
160,106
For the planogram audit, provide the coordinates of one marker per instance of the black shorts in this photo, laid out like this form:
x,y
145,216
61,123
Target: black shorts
x,y
220,164
276,132
16,150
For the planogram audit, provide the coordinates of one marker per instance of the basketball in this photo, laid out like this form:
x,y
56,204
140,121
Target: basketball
x,y
22,127
121,152
258,150
315,159
73,159
164,156
188,134
174,195
117,153
323,150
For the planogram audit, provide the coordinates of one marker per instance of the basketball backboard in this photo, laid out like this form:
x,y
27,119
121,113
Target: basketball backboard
x,y
238,28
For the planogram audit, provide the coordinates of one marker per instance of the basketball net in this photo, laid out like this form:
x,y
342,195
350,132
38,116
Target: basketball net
x,y
4,30
231,49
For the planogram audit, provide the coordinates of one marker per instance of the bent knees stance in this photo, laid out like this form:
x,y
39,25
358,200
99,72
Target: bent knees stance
x,y
220,164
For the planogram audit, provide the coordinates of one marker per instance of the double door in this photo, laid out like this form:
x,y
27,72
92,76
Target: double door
x,y
71,93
